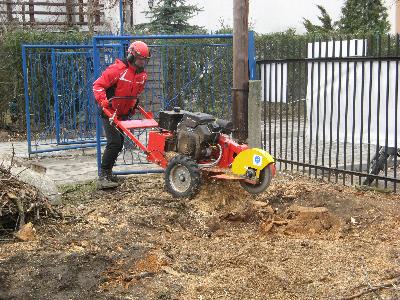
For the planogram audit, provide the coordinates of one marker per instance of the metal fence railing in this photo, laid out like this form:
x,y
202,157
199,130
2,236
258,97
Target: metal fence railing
x,y
331,111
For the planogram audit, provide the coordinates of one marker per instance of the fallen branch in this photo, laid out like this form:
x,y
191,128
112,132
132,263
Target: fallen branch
x,y
369,290
20,202
12,159
367,280
21,212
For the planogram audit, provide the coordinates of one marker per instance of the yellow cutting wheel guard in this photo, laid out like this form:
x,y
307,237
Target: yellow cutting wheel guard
x,y
254,158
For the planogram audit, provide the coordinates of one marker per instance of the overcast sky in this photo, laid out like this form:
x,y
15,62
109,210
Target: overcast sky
x,y
269,15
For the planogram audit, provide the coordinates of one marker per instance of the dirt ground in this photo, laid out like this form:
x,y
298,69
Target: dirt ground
x,y
302,239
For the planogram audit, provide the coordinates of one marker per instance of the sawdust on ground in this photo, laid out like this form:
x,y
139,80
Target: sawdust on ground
x,y
301,239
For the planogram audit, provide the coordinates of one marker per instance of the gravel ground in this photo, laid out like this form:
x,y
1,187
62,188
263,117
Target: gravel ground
x,y
301,239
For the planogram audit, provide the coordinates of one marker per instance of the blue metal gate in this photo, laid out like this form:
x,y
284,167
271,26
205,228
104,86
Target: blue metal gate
x,y
60,111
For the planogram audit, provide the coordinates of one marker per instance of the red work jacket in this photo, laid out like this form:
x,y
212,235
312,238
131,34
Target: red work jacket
x,y
120,80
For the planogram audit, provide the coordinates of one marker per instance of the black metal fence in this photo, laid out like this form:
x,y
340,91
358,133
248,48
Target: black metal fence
x,y
330,109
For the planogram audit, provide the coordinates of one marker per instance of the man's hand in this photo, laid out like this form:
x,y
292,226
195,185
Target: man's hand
x,y
131,112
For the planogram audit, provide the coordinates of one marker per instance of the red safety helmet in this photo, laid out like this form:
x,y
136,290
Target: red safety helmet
x,y
139,48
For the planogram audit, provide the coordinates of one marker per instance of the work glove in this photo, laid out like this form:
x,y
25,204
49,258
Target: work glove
x,y
132,110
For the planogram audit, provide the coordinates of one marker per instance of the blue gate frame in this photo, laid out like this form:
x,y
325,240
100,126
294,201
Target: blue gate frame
x,y
59,106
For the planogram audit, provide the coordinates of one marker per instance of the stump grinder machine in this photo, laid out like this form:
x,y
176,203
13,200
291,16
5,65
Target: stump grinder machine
x,y
189,145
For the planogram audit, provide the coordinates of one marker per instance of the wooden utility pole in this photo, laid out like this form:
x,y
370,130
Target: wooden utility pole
x,y
240,68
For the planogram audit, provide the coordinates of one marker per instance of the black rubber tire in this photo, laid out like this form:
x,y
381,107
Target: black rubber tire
x,y
262,185
377,165
192,171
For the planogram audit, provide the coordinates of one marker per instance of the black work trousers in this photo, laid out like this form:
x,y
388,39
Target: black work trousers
x,y
115,143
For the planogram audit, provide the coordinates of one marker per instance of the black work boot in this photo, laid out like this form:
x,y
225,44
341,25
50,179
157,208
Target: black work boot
x,y
104,182
111,176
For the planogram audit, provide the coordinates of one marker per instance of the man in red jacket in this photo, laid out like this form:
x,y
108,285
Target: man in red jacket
x,y
124,80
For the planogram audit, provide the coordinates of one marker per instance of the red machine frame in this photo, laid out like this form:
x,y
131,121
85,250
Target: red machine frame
x,y
156,143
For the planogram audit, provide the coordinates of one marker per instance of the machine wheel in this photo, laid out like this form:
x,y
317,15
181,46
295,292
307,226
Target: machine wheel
x,y
182,177
263,183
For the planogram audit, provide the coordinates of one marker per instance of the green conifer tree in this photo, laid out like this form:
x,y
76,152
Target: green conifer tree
x,y
171,17
364,16
327,25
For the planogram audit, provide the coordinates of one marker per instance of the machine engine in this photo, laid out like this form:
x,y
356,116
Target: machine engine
x,y
194,134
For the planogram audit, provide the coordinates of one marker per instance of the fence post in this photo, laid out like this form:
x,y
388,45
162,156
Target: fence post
x,y
252,56
254,114
70,12
55,95
121,17
9,6
96,74
27,106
